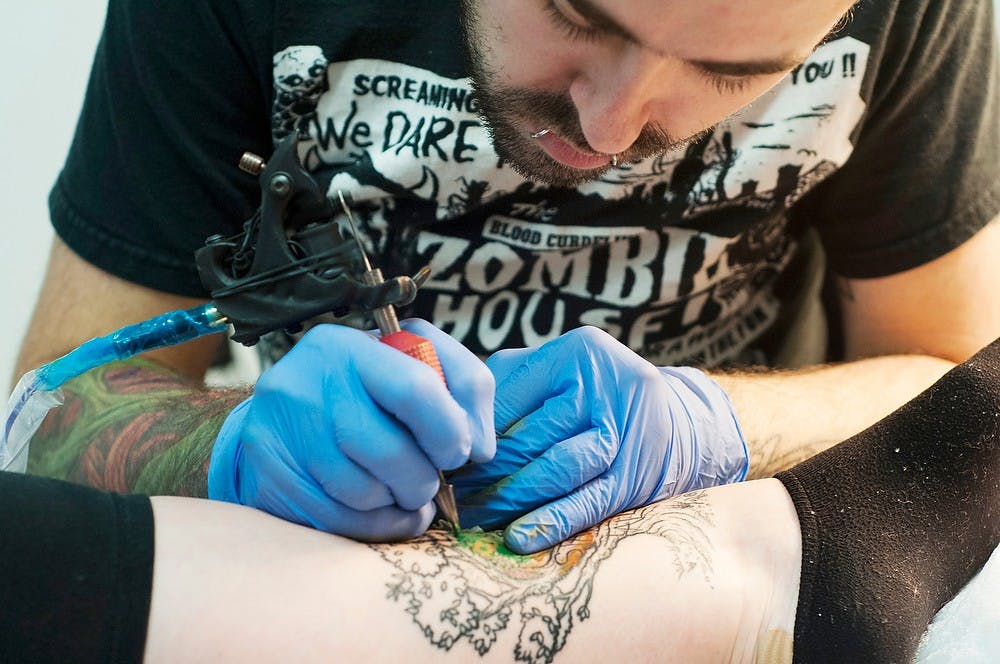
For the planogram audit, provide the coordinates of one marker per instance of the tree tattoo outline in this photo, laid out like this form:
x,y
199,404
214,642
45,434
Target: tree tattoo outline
x,y
544,594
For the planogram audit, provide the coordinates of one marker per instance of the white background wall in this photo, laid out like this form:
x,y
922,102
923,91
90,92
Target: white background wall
x,y
46,47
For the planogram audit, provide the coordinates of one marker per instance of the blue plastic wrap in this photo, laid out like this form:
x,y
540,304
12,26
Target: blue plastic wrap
x,y
38,391
168,329
26,409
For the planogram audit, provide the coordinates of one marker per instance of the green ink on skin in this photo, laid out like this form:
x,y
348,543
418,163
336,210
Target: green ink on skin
x,y
488,544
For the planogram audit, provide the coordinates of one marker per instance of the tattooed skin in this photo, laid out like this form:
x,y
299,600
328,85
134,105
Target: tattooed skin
x,y
132,426
541,595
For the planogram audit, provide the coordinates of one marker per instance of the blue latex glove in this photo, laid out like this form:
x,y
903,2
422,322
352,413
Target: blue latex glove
x,y
346,434
589,429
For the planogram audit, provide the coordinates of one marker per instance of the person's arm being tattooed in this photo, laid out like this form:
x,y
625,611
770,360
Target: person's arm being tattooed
x,y
133,426
707,576
466,592
119,418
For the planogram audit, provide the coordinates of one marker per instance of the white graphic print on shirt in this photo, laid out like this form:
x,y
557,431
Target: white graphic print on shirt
x,y
676,255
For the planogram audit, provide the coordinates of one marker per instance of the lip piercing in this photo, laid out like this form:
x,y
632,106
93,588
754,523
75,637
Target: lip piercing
x,y
614,160
539,134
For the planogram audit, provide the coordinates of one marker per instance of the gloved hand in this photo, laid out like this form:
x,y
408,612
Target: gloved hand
x,y
346,434
589,429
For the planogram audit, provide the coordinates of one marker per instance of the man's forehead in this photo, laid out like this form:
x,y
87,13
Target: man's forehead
x,y
743,32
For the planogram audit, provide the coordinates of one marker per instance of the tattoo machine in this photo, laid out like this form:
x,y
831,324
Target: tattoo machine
x,y
290,264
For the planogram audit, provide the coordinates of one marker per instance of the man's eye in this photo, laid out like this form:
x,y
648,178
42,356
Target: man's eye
x,y
572,29
725,84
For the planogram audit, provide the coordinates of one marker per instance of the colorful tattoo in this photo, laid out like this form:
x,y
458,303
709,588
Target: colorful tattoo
x,y
470,589
132,426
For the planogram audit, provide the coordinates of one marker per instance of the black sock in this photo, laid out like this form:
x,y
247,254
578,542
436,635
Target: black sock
x,y
896,519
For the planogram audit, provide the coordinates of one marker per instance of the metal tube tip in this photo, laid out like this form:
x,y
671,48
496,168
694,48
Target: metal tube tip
x,y
445,501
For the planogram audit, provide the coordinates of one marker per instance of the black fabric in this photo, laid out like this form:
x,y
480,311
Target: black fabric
x,y
896,519
77,572
161,170
927,149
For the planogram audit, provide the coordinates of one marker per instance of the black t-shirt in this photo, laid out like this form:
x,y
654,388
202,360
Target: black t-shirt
x,y
885,140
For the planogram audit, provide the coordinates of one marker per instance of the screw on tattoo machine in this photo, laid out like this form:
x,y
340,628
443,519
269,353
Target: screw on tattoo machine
x,y
413,345
289,264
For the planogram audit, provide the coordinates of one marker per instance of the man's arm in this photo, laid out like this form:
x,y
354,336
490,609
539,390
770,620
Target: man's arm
x,y
121,419
918,323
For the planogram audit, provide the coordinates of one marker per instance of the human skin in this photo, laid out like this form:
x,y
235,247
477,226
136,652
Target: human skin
x,y
919,322
709,576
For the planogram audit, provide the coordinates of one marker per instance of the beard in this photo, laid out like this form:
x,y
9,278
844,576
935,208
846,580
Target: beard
x,y
507,111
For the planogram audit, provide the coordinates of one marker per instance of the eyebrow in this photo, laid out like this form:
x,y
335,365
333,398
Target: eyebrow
x,y
600,20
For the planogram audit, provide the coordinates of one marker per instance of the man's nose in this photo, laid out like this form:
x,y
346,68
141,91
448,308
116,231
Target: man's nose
x,y
616,95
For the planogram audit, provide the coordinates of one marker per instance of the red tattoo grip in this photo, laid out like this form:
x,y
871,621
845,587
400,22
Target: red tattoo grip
x,y
415,346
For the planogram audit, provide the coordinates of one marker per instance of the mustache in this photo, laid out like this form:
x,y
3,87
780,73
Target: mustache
x,y
557,113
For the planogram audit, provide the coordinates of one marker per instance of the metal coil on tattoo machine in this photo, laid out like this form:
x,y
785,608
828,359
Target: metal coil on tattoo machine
x,y
291,262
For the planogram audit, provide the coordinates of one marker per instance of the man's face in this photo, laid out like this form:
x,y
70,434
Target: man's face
x,y
631,78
